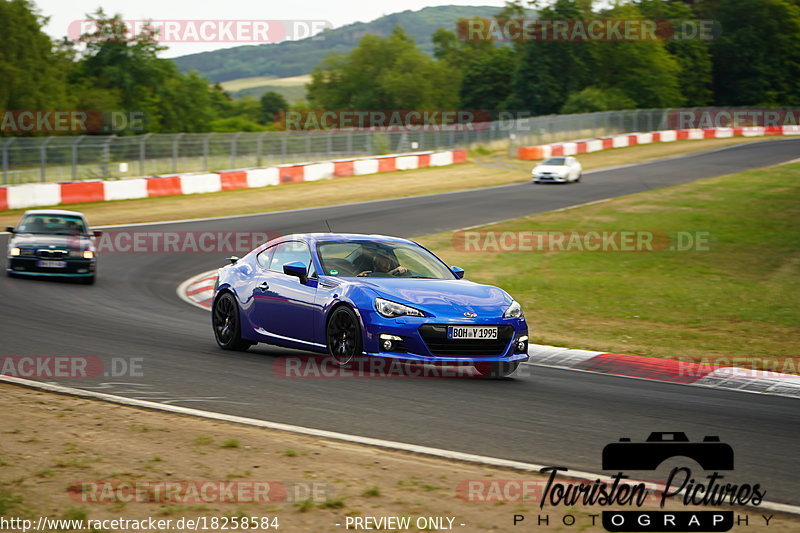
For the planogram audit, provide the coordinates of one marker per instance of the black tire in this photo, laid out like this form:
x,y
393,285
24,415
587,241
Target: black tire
x,y
496,370
226,324
343,336
579,177
88,280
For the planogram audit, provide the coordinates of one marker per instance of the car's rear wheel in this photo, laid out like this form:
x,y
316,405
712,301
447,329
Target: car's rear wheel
x,y
225,321
496,370
344,336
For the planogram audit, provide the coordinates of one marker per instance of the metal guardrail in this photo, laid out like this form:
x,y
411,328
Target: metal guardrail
x,y
70,158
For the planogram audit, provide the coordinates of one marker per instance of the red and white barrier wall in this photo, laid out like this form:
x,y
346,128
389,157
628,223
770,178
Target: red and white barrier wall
x,y
44,194
632,139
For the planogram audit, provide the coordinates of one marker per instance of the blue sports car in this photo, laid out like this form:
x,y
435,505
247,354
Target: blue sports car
x,y
352,295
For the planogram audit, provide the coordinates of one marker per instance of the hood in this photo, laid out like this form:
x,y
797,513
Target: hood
x,y
441,296
30,240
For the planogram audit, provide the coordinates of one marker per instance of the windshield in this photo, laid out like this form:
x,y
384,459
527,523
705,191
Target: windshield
x,y
52,224
380,259
556,161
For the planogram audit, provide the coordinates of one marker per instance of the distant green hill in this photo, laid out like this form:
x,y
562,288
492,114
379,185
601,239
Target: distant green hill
x,y
294,58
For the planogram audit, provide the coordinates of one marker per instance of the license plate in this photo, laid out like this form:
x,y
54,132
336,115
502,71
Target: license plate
x,y
471,332
44,263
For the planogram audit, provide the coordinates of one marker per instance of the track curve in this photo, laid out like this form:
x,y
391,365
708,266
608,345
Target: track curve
x,y
554,416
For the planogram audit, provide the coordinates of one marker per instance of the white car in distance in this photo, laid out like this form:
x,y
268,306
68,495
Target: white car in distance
x,y
557,170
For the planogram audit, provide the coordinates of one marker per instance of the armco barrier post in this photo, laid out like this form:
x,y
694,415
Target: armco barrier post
x,y
106,162
142,150
43,159
74,166
206,140
234,139
175,151
5,159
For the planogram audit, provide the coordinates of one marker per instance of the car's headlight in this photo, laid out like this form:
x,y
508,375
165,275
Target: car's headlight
x,y
514,310
88,254
391,309
13,252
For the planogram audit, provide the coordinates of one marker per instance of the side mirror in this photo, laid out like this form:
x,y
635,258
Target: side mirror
x,y
10,229
458,271
97,233
296,268
233,259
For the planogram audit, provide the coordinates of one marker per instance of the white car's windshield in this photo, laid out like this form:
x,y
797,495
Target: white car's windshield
x,y
52,224
380,259
555,161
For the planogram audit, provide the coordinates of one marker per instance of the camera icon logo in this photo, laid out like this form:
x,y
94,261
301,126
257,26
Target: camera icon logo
x,y
710,454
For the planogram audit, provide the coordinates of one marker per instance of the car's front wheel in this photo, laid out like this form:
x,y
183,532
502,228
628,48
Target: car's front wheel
x,y
344,336
225,321
496,370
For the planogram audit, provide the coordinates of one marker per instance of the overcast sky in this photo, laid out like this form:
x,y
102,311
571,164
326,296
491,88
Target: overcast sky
x,y
338,13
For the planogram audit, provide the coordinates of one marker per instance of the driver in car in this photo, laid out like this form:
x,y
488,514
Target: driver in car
x,y
384,264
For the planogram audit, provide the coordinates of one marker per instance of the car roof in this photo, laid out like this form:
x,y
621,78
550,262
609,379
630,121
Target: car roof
x,y
324,237
56,212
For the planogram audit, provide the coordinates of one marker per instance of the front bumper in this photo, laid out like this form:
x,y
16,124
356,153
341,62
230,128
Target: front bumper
x,y
28,266
549,178
433,347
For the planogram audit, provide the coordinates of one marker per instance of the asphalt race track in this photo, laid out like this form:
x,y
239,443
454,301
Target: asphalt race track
x,y
547,416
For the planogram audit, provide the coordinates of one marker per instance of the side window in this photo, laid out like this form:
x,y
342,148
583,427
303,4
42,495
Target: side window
x,y
287,252
265,256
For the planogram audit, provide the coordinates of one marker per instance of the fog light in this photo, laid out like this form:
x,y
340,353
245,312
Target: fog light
x,y
388,342
522,343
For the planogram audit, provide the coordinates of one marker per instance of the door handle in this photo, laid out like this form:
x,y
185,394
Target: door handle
x,y
264,286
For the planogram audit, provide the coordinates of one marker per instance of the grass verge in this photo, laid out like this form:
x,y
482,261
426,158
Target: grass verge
x,y
328,482
738,298
483,171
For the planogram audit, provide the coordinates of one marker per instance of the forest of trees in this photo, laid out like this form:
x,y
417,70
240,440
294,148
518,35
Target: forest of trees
x,y
754,61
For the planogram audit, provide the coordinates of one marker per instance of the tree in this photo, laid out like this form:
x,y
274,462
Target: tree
x,y
642,69
32,73
691,53
486,83
757,56
593,99
384,73
271,104
549,71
